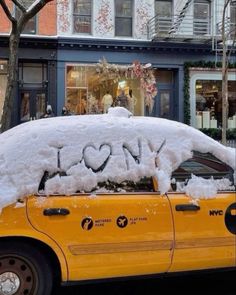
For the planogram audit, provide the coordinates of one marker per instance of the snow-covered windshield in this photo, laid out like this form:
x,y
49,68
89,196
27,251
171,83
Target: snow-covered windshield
x,y
78,152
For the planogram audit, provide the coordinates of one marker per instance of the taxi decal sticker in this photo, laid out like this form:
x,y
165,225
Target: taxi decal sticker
x,y
230,218
87,223
102,222
216,212
135,220
122,221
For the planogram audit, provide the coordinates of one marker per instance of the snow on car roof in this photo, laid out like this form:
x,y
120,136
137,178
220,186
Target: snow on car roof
x,y
78,152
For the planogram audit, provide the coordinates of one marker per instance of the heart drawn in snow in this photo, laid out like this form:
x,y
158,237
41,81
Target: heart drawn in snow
x,y
96,159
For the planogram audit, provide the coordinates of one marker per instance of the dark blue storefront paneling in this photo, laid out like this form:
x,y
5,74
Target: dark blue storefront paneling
x,y
172,58
87,57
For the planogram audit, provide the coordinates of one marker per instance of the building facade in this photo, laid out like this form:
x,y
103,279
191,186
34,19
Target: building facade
x,y
118,46
36,85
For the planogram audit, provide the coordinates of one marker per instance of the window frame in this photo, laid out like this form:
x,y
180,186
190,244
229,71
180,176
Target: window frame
x,y
119,17
204,159
74,15
199,23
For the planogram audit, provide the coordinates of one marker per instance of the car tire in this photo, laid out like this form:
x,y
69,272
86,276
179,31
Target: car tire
x,y
24,270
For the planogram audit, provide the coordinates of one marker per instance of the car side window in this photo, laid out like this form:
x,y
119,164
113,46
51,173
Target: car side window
x,y
202,165
144,185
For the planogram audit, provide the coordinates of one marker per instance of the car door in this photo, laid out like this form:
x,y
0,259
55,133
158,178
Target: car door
x,y
205,229
108,235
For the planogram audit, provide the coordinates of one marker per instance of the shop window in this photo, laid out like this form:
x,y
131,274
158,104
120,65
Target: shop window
x,y
209,104
82,15
3,83
201,15
165,104
32,73
88,92
123,18
30,27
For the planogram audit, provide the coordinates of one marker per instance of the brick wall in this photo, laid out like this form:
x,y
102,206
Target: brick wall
x,y
4,23
47,19
47,24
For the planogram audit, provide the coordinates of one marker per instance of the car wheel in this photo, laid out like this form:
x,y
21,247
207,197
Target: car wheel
x,y
23,270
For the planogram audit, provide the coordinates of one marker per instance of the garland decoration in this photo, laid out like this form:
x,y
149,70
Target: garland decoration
x,y
135,70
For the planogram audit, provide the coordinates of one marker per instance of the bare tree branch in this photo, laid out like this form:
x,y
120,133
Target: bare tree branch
x,y
19,5
7,11
32,11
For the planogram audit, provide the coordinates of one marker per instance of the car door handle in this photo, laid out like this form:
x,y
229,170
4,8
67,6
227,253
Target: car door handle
x,y
56,211
187,207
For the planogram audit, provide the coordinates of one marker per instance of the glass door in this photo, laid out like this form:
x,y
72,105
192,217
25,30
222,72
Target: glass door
x,y
32,105
163,105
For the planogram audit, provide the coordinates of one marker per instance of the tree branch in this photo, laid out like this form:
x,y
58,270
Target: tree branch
x,y
32,11
19,5
7,11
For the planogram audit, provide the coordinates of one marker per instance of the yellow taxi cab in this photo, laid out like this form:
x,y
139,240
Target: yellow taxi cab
x,y
117,228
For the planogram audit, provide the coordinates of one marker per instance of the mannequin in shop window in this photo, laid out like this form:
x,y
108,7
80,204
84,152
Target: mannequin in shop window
x,y
81,107
132,101
92,104
107,102
65,111
49,113
122,100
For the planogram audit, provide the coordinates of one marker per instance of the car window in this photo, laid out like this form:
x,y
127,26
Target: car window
x,y
146,184
202,165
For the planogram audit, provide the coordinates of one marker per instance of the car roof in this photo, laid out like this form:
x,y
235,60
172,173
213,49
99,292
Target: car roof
x,y
91,148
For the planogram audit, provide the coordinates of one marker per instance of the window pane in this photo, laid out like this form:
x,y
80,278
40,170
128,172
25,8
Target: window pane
x,y
82,16
76,101
123,27
25,107
85,89
82,7
123,8
165,104
209,104
201,10
30,27
163,76
3,83
163,8
201,24
40,105
233,21
32,73
82,24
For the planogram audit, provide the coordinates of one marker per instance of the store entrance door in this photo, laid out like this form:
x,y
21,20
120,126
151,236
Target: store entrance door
x,y
32,105
163,105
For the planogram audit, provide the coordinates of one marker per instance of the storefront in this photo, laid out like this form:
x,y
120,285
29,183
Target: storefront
x,y
93,88
206,98
36,80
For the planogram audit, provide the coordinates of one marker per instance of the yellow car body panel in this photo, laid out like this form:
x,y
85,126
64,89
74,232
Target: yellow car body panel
x,y
141,244
202,239
14,223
